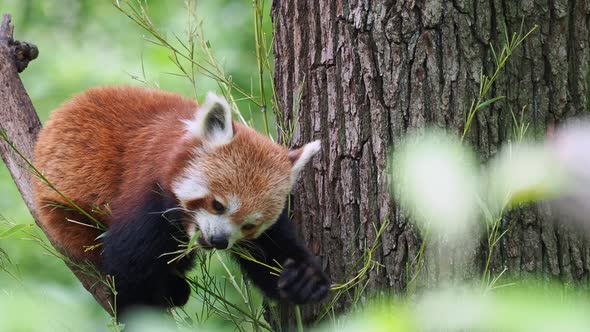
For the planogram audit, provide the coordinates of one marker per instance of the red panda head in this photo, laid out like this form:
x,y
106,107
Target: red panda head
x,y
236,180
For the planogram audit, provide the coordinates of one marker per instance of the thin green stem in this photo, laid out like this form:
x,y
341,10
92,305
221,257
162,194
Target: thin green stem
x,y
491,245
223,300
43,179
258,37
412,283
486,82
140,17
298,319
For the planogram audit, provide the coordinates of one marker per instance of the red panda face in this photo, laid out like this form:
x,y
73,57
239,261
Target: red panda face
x,y
237,180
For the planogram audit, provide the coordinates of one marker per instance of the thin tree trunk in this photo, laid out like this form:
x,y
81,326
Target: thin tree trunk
x,y
21,124
372,70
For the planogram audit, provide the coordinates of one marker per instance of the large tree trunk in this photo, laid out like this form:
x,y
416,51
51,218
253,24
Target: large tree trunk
x,y
371,70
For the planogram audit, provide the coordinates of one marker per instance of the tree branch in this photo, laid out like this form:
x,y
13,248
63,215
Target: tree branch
x,y
21,124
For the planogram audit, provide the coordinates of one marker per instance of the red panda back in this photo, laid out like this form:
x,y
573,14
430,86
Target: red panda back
x,y
90,143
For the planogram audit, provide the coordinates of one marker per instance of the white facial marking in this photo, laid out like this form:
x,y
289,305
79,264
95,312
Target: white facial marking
x,y
217,225
192,230
191,184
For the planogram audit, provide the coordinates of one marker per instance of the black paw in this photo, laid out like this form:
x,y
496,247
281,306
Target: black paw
x,y
178,291
303,282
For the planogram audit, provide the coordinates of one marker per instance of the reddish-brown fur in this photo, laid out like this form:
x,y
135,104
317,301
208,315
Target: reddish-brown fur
x,y
257,172
107,146
92,143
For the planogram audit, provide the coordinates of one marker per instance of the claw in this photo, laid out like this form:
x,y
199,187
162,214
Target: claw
x,y
303,282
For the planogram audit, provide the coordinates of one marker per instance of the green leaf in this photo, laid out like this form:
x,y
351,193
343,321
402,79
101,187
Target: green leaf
x,y
494,54
14,229
192,241
490,101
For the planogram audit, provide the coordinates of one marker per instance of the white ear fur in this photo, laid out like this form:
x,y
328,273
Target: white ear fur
x,y
301,156
212,122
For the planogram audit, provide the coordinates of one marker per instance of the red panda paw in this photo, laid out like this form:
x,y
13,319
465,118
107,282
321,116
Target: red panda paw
x,y
178,291
303,282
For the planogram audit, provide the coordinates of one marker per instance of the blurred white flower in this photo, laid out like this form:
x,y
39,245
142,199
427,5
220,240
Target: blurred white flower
x,y
522,173
434,177
571,147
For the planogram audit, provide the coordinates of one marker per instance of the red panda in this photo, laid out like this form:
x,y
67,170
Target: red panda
x,y
155,167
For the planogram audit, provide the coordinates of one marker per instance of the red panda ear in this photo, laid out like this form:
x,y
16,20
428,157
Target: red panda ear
x,y
300,157
212,122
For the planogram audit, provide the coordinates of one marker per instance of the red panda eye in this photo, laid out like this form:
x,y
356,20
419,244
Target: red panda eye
x,y
218,207
248,227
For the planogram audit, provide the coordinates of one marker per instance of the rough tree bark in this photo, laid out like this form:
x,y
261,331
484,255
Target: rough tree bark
x,y
21,124
371,70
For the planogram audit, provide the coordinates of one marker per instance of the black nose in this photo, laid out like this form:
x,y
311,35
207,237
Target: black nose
x,y
218,242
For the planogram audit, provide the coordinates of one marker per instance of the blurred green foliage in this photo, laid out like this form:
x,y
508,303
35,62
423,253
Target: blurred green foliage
x,y
85,43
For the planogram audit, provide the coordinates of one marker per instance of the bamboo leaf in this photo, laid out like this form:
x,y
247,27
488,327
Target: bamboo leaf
x,y
490,101
13,230
192,241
